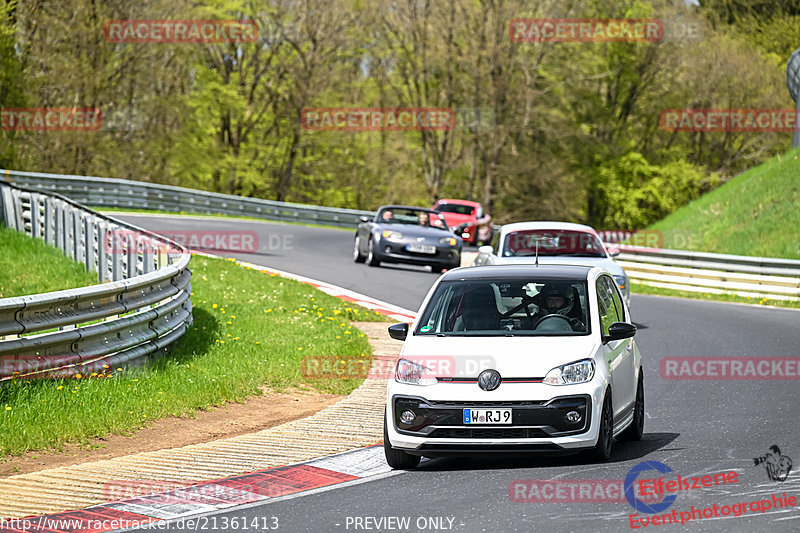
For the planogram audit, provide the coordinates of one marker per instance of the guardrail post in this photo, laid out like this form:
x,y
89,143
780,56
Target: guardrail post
x,y
58,225
148,257
89,244
102,252
15,217
132,253
76,235
67,230
36,232
49,213
4,190
117,271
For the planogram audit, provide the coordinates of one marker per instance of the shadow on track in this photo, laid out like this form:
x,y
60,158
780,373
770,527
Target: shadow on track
x,y
623,451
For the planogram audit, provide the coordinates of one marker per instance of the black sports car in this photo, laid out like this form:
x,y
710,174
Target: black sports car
x,y
402,234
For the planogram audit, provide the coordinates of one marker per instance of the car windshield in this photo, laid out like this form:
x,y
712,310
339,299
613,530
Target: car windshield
x,y
552,242
456,208
415,217
507,307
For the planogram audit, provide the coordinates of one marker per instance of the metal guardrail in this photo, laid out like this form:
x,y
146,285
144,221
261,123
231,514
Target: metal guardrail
x,y
756,277
674,269
126,194
141,306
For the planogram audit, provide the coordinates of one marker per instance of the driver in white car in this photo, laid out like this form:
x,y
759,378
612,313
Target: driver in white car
x,y
559,299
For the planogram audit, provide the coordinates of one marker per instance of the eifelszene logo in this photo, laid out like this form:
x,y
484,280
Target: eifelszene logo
x,y
638,504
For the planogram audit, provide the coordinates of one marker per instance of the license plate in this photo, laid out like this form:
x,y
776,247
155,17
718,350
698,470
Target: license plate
x,y
421,248
487,416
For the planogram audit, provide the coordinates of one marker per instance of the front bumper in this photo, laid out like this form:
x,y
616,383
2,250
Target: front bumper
x,y
395,252
537,425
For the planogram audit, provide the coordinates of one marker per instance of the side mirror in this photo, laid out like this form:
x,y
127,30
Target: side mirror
x,y
364,219
486,249
398,331
613,251
619,330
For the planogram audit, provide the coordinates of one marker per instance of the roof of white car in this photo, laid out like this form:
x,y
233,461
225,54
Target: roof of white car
x,y
521,226
576,272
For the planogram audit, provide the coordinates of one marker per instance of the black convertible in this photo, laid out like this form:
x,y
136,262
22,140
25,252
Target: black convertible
x,y
402,234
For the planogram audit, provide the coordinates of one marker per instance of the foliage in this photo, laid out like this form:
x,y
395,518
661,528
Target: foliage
x,y
565,128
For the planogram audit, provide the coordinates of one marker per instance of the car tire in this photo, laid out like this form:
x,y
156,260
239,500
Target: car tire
x,y
397,459
372,260
605,437
358,257
636,429
436,269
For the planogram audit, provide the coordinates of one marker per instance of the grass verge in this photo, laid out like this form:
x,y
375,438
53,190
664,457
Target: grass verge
x,y
29,266
756,213
250,330
638,288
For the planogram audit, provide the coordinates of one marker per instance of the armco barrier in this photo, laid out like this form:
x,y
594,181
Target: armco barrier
x,y
757,277
141,307
119,193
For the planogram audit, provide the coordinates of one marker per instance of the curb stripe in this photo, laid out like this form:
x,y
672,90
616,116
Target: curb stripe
x,y
211,496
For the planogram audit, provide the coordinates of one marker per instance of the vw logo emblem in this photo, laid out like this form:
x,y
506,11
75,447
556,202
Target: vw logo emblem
x,y
489,380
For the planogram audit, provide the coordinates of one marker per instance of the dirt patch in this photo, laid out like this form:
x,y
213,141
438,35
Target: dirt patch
x,y
230,420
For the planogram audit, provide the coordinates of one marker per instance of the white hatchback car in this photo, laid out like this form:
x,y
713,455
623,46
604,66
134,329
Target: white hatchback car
x,y
515,358
559,243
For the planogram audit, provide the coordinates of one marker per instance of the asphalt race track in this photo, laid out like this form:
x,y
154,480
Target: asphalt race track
x,y
696,427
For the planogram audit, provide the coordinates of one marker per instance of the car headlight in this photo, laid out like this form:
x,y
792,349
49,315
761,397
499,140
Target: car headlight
x,y
413,373
448,240
392,235
622,282
579,372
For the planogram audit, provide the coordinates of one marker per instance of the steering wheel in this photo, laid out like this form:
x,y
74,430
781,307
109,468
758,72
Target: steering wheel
x,y
573,322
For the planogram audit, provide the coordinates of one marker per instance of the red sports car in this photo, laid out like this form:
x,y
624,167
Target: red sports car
x,y
466,219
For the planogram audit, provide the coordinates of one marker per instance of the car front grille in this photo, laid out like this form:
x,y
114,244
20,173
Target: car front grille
x,y
488,433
